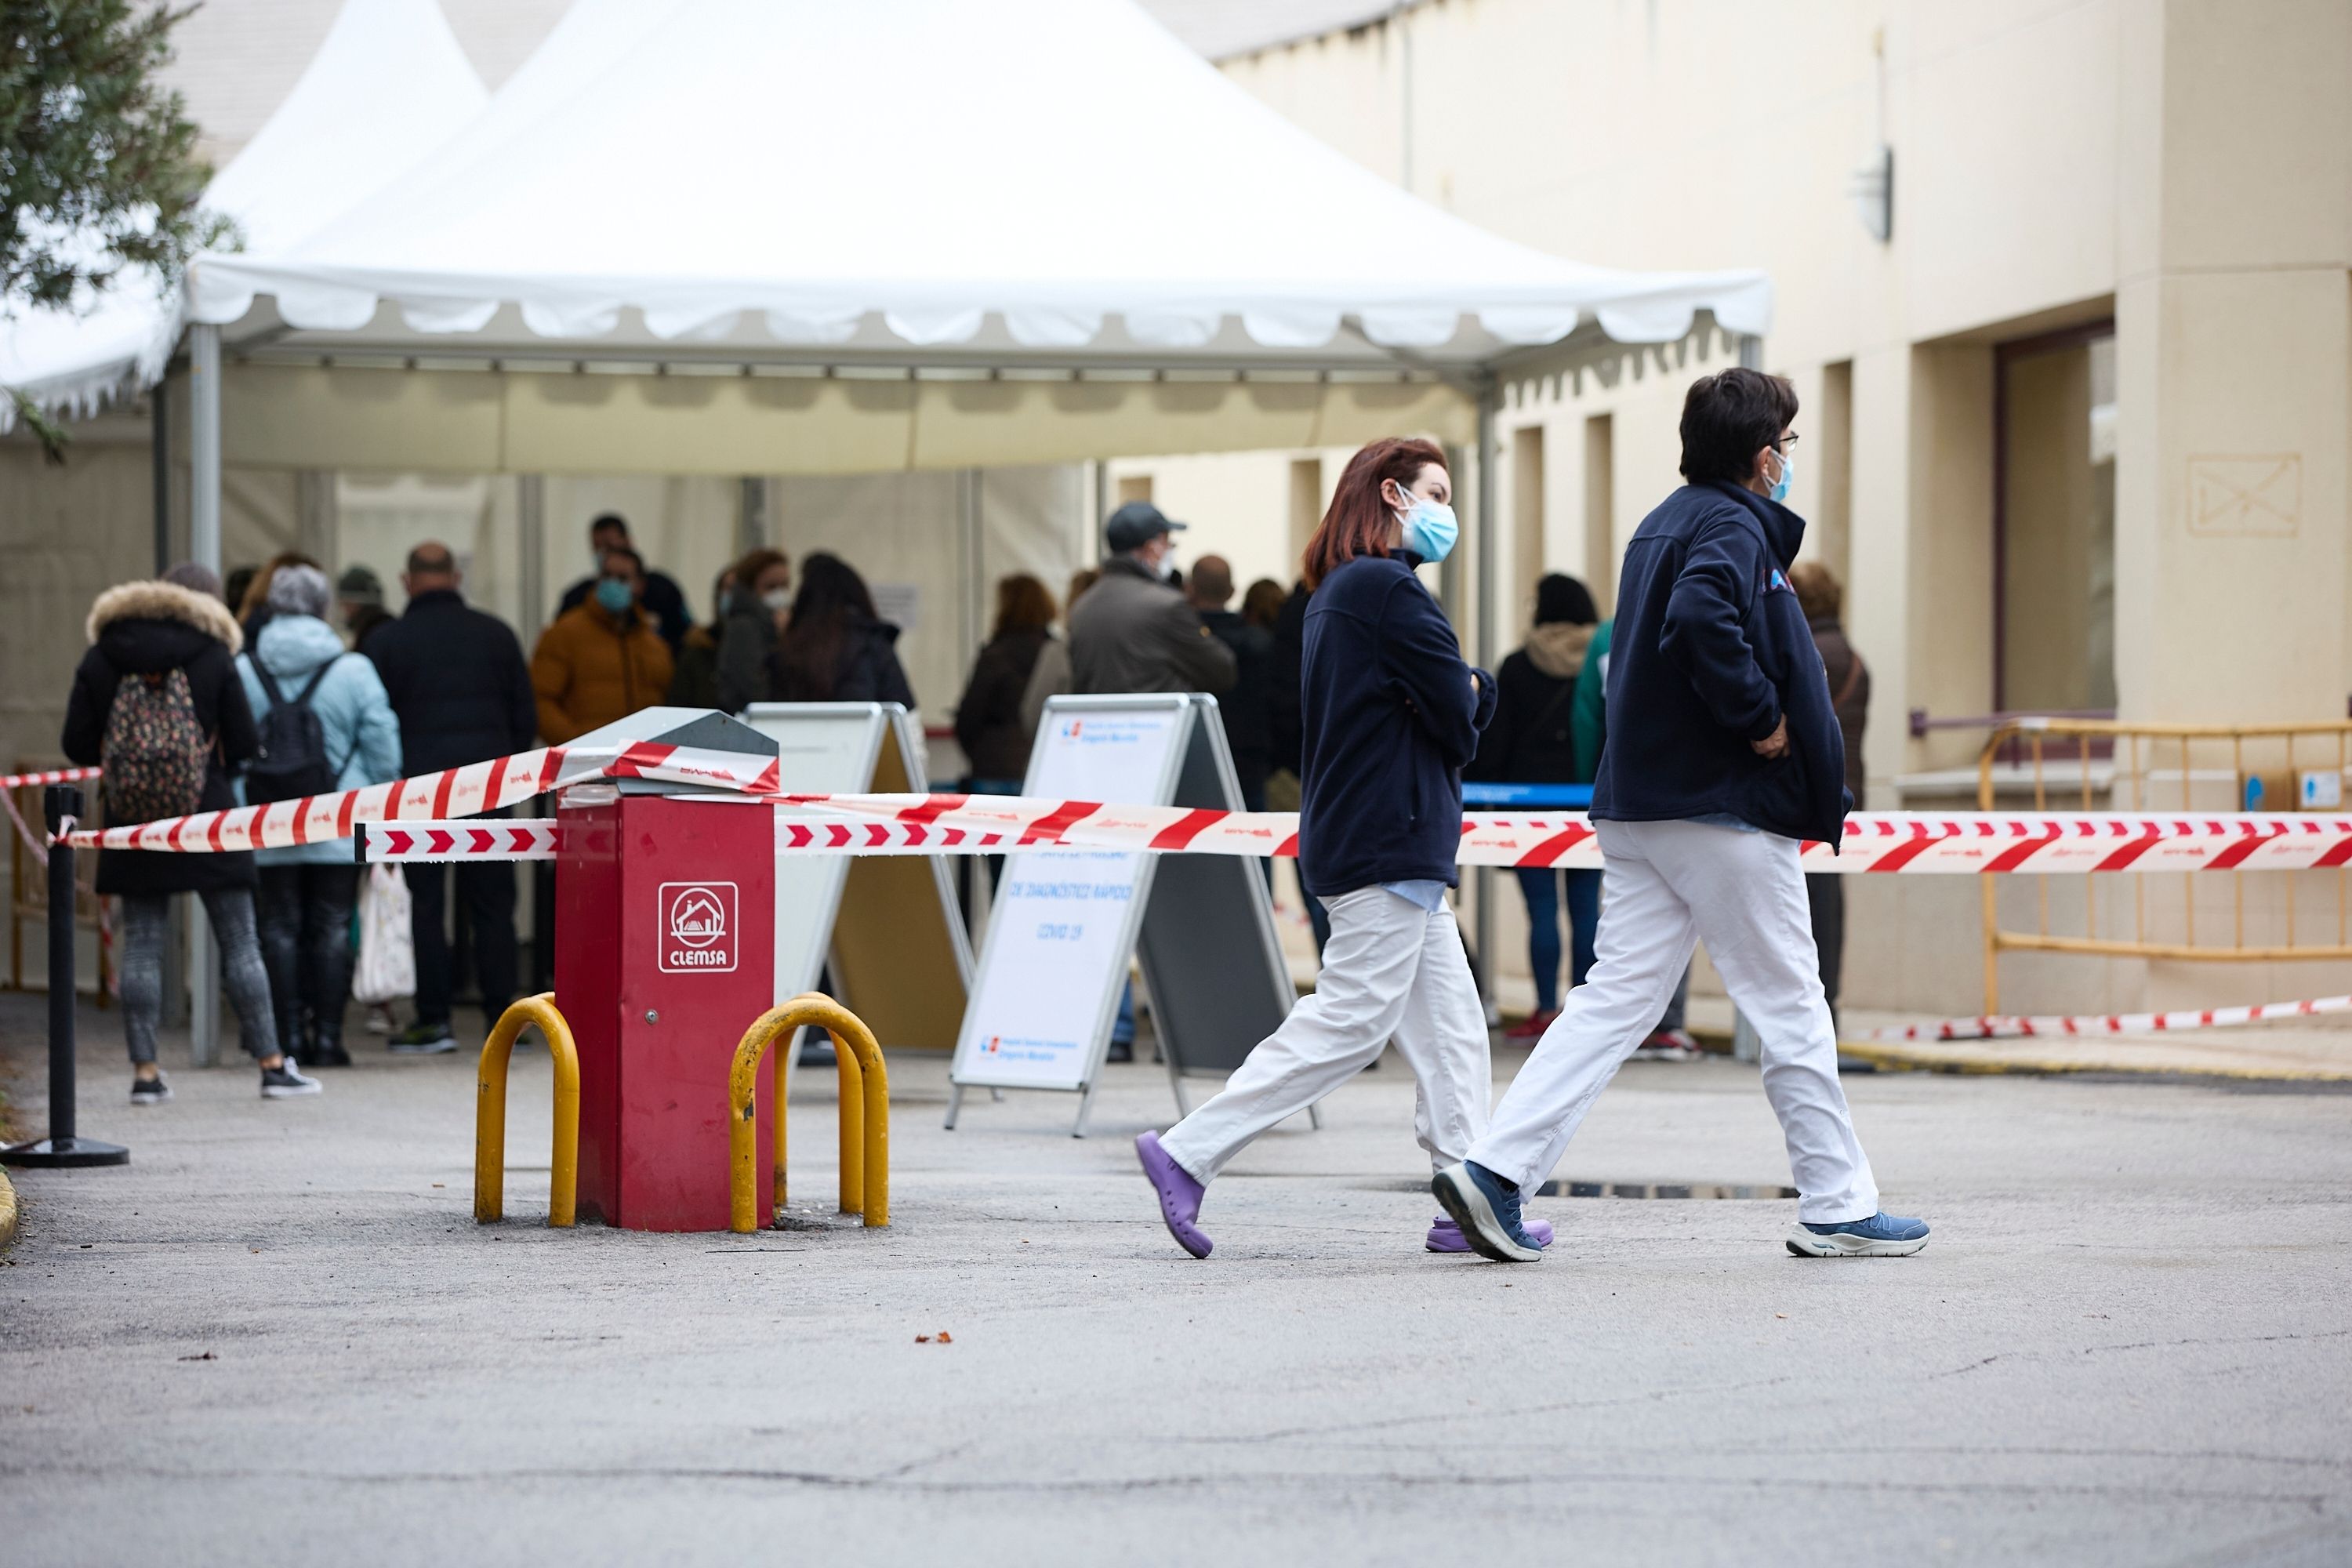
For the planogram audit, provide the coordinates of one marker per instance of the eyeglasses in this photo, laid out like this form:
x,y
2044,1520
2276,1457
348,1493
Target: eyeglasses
x,y
1784,441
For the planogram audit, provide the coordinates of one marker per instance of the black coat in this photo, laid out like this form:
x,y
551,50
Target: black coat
x,y
864,669
988,725
1246,707
1283,664
1710,653
663,599
1391,716
457,682
145,628
1529,740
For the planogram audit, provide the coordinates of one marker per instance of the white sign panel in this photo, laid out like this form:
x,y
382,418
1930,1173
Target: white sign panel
x,y
821,748
1065,921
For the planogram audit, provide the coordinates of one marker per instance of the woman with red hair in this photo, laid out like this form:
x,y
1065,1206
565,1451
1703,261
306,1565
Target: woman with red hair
x,y
1390,714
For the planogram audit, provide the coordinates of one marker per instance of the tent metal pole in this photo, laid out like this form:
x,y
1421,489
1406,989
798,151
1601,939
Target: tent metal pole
x,y
205,446
159,452
1489,405
205,550
531,550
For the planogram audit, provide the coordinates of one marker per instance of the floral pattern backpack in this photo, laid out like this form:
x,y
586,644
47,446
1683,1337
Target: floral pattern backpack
x,y
153,751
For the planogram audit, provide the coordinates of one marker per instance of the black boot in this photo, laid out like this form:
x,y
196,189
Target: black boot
x,y
326,1050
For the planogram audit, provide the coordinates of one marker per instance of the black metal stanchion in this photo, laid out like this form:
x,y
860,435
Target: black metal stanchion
x,y
62,1147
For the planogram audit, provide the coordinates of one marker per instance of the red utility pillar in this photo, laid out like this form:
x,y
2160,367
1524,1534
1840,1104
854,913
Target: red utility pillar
x,y
665,954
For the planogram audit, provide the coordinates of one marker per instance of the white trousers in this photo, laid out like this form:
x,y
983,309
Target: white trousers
x,y
1666,886
1390,972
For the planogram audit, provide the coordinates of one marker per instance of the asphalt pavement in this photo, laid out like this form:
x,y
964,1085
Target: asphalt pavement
x,y
278,1336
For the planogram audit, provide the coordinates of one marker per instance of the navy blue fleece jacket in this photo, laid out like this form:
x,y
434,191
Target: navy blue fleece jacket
x,y
1710,652
1388,720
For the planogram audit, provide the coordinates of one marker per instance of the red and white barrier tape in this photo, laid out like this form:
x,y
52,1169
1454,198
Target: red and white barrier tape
x,y
41,851
428,841
1965,842
54,776
2023,1028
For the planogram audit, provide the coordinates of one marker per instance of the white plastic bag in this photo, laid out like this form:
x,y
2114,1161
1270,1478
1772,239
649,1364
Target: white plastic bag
x,y
387,962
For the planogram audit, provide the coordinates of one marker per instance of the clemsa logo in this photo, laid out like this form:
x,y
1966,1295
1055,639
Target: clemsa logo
x,y
697,929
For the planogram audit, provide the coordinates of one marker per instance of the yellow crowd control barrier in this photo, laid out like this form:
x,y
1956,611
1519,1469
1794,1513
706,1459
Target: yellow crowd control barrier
x,y
490,1113
865,1110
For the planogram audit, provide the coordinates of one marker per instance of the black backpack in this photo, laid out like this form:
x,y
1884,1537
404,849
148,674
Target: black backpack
x,y
292,760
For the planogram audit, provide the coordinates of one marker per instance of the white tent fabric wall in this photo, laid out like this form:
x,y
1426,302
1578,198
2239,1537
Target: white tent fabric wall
x,y
388,85
902,532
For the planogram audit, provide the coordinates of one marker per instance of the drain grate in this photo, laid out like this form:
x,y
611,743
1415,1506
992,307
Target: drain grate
x,y
1671,1190
1661,1190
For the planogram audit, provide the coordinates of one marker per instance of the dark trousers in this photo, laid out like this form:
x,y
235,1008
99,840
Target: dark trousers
x,y
1825,890
1543,896
305,916
487,890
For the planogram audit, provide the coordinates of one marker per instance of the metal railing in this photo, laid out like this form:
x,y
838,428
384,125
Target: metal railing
x,y
490,1113
864,1111
2142,767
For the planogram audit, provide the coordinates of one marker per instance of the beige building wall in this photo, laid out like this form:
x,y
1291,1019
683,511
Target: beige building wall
x,y
2182,168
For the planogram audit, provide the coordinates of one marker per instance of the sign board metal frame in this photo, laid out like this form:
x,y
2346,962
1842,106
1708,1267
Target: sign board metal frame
x,y
1168,909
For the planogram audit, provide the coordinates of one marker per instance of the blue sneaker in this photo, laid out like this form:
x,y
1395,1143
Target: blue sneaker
x,y
1880,1235
1486,1207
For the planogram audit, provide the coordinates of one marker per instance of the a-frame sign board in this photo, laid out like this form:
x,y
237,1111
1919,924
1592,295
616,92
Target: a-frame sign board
x,y
1065,922
889,924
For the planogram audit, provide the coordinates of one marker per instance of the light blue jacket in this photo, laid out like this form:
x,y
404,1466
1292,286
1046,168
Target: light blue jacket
x,y
353,713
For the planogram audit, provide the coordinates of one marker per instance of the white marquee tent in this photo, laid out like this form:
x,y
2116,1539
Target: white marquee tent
x,y
797,237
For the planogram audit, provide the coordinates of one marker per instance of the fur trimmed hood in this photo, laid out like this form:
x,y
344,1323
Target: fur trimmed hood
x,y
155,600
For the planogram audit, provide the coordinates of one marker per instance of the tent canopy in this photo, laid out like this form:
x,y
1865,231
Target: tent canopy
x,y
797,191
384,87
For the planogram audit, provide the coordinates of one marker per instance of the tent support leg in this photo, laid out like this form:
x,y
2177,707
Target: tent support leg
x,y
205,550
159,451
205,446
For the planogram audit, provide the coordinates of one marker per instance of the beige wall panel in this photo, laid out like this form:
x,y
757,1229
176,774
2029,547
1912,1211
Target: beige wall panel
x,y
306,416
2242,576
1949,630
2005,172
1878,600
2257,189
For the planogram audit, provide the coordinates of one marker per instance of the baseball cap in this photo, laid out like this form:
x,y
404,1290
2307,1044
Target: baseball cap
x,y
1134,525
359,585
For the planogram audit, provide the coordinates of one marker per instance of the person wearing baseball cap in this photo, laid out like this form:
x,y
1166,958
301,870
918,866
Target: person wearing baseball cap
x,y
358,603
1134,632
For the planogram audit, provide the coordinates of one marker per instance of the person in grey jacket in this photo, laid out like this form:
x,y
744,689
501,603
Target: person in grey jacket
x,y
307,890
1133,632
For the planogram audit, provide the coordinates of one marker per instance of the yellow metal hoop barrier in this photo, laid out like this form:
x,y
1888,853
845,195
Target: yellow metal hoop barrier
x,y
490,1113
865,1110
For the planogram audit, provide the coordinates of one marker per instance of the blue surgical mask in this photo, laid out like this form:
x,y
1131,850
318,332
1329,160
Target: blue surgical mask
x,y
1430,529
613,593
1788,474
